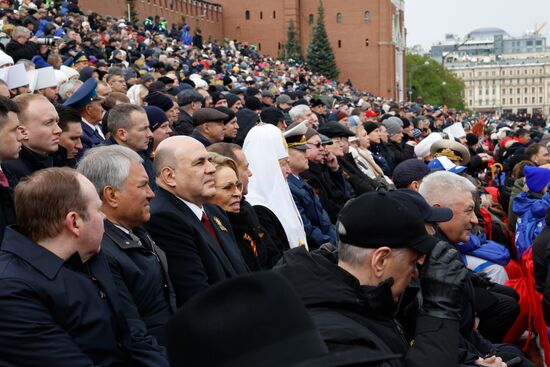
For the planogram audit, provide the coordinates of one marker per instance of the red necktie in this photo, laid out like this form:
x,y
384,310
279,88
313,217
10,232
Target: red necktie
x,y
206,222
3,180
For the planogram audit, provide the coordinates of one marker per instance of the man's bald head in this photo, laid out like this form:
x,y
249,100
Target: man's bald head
x,y
171,149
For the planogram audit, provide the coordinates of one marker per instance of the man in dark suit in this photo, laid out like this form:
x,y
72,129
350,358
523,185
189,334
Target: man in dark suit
x,y
196,237
60,305
86,101
136,261
10,145
38,119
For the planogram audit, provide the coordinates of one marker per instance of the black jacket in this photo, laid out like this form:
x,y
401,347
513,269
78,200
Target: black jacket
x,y
195,260
7,211
350,316
18,51
140,270
329,185
257,247
185,125
360,182
396,153
27,163
65,313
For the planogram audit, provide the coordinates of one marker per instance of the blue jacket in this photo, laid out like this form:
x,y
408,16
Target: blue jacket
x,y
480,246
531,210
316,221
89,138
64,313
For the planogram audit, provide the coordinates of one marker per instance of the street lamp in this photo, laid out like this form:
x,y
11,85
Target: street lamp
x,y
411,73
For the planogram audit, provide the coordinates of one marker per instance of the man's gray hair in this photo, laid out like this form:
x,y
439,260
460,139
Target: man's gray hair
x,y
120,116
352,255
108,166
19,31
297,112
69,86
439,187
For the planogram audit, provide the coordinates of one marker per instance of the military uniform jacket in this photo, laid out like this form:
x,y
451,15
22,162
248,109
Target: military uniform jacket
x,y
140,269
64,313
195,259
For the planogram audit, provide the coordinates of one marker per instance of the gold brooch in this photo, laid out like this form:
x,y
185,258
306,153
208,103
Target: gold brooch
x,y
219,224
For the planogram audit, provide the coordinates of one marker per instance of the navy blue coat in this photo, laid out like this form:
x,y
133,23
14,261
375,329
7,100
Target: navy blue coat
x,y
203,139
27,163
141,271
89,138
195,260
64,313
317,224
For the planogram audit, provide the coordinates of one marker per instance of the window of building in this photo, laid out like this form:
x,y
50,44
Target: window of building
x,y
247,14
339,43
511,100
279,45
274,14
519,100
525,90
261,15
533,90
503,91
338,17
525,99
540,99
259,46
311,18
366,42
540,90
533,100
519,90
470,102
366,16
504,101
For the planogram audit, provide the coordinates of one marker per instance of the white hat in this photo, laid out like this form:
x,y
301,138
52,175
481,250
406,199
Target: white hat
x,y
42,78
60,77
422,149
70,72
5,59
16,76
455,130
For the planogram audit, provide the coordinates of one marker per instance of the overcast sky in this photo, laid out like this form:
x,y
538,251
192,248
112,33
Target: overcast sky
x,y
427,21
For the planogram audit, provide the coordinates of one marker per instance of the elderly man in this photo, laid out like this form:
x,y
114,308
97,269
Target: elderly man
x,y
134,258
20,46
61,306
495,305
39,121
196,236
117,82
209,126
190,102
10,145
88,104
351,293
129,127
303,113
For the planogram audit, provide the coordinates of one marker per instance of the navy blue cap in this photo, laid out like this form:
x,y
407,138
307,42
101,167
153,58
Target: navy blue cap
x,y
83,95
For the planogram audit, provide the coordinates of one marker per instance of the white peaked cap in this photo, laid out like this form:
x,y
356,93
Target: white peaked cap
x,y
16,76
60,77
422,149
5,59
70,72
455,130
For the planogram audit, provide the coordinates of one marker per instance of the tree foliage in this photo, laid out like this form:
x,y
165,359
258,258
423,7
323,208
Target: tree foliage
x,y
292,47
320,56
432,83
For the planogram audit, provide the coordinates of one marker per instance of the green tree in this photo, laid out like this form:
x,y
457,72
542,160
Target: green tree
x,y
133,12
430,81
292,47
320,56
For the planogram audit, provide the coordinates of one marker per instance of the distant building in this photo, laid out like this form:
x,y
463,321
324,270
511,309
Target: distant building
x,y
500,73
368,38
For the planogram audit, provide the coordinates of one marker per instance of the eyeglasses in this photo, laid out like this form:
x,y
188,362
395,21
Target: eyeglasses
x,y
230,186
316,145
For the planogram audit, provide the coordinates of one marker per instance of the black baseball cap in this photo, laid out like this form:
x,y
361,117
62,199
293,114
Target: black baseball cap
x,y
430,213
377,219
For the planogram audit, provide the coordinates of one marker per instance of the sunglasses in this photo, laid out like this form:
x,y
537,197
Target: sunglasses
x,y
316,145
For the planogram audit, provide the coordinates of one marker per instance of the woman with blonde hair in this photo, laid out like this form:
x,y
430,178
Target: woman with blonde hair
x,y
252,239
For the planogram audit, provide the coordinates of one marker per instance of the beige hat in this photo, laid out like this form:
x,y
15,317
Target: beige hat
x,y
453,150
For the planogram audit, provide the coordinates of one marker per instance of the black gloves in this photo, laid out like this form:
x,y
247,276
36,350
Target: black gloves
x,y
442,281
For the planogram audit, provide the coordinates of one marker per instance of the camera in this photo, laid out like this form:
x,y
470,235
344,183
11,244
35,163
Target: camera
x,y
48,41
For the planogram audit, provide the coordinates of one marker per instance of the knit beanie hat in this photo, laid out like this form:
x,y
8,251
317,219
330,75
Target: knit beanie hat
x,y
392,126
370,127
536,178
156,117
231,99
160,100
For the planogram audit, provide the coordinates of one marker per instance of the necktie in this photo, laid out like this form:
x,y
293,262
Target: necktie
x,y
3,180
206,222
98,133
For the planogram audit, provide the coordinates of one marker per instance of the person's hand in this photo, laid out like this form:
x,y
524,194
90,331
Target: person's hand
x,y
484,157
442,282
492,361
332,162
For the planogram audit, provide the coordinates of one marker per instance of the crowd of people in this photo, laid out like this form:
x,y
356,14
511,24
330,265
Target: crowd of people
x,y
171,201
